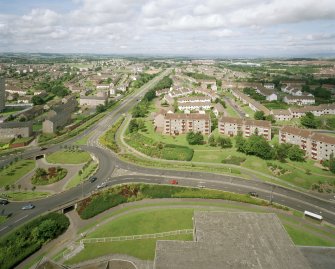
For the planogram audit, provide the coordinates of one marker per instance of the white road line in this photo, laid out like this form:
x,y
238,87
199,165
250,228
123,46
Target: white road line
x,y
4,228
21,218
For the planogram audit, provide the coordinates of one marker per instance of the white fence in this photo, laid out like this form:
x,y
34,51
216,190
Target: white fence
x,y
134,237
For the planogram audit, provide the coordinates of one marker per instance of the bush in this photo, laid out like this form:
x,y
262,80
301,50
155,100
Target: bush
x,y
195,138
108,139
27,239
100,202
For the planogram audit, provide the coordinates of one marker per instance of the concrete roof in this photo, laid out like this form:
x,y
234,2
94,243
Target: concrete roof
x,y
232,240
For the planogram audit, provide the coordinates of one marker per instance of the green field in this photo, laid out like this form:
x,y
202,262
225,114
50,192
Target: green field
x,y
154,220
68,157
26,195
15,171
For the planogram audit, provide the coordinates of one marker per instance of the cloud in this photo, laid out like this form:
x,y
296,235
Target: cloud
x,y
167,26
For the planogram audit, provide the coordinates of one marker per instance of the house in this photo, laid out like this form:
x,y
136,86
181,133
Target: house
x,y
13,129
269,95
281,114
299,100
219,110
194,106
194,99
174,123
316,145
233,126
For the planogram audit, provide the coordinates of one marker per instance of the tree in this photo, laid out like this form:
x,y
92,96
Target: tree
x,y
331,163
37,100
257,145
212,141
133,126
240,143
7,187
294,153
280,151
224,142
195,138
100,108
259,115
19,186
309,120
270,118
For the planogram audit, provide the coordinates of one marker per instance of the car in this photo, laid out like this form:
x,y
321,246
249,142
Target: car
x,y
173,181
201,186
92,179
3,202
102,185
28,206
253,194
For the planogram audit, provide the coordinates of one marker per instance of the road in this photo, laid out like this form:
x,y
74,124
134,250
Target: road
x,y
108,161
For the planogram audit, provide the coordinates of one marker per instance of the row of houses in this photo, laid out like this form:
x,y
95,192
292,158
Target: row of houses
x,y
246,100
316,146
288,114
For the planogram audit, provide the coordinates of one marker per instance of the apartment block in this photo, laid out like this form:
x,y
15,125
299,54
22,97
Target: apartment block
x,y
316,146
232,126
173,123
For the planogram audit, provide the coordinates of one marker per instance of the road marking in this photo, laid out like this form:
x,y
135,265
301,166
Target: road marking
x,y
4,228
21,218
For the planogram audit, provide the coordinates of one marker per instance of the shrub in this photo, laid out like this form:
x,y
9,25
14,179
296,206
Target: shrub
x,y
30,237
54,174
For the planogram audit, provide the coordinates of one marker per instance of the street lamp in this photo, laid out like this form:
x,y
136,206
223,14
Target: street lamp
x,y
271,195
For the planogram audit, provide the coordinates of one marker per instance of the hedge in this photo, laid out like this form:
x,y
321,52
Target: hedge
x,y
120,194
29,238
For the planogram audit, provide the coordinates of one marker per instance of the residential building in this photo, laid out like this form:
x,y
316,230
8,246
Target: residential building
x,y
270,95
219,110
246,100
316,145
13,129
233,126
299,100
92,100
281,114
174,123
2,94
270,86
60,115
194,99
163,91
179,92
194,106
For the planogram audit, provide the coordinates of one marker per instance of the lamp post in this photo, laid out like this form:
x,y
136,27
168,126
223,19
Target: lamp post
x,y
271,195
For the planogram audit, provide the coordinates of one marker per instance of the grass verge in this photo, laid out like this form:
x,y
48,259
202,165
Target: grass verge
x,y
26,195
14,172
77,179
69,157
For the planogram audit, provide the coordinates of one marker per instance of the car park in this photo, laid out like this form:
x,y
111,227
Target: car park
x,y
3,202
28,207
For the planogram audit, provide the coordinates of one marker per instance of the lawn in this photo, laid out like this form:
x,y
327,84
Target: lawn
x,y
77,179
153,220
69,157
2,219
15,171
26,195
231,112
83,140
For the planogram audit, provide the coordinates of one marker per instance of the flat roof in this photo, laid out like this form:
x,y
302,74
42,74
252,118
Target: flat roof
x,y
232,240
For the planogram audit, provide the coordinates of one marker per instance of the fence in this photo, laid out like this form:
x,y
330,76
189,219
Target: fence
x,y
134,237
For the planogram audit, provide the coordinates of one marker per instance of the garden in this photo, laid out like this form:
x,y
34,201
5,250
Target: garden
x,y
49,176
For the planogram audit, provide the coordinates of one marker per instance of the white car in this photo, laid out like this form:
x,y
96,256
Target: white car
x,y
102,185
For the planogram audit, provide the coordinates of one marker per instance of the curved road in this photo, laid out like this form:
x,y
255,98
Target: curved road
x,y
108,161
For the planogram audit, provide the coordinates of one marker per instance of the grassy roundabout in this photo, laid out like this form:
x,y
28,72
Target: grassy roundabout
x,y
173,215
69,157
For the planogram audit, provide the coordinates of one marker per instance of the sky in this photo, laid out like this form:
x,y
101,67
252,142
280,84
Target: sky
x,y
242,28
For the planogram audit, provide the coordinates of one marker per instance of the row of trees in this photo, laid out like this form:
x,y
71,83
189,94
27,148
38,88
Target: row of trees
x,y
259,115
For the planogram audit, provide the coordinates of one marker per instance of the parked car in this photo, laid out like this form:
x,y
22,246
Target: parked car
x,y
254,194
28,206
3,202
102,185
173,181
92,179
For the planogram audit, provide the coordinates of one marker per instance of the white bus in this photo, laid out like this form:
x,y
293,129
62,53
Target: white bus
x,y
313,215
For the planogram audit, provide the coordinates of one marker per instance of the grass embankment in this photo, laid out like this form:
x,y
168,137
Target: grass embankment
x,y
86,172
26,195
69,157
120,194
14,172
159,150
108,138
29,238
